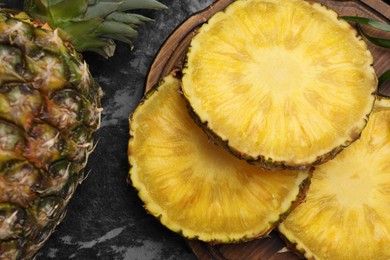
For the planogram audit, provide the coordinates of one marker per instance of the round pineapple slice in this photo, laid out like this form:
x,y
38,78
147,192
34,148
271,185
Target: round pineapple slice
x,y
195,187
346,214
281,83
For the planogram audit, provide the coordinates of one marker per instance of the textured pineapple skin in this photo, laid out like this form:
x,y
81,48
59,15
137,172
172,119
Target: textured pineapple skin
x,y
49,110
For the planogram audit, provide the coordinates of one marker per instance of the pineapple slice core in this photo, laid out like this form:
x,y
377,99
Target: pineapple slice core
x,y
275,61
346,214
285,81
196,187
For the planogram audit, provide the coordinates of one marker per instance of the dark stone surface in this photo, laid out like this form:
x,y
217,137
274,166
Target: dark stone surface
x,y
105,218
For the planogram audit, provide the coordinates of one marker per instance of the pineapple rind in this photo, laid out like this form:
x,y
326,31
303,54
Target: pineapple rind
x,y
155,173
347,205
49,110
382,103
241,141
262,161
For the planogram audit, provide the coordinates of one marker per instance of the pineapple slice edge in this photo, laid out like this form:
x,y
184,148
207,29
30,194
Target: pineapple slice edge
x,y
226,136
345,214
156,201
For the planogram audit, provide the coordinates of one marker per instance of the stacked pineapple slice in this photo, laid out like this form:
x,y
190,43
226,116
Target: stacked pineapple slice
x,y
284,85
279,82
195,187
346,214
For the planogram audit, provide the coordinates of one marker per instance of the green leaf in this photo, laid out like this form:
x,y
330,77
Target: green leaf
x,y
383,78
128,18
104,47
385,43
68,10
140,4
80,29
122,38
104,52
101,9
38,10
49,3
112,28
368,21
41,3
71,18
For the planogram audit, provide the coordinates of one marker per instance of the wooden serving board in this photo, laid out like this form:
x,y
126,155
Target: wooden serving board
x,y
172,54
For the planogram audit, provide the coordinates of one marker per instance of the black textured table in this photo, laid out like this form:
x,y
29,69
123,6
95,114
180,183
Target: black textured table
x,y
105,218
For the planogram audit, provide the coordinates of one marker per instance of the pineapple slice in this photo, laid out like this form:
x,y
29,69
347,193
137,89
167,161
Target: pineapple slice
x,y
193,186
346,214
281,83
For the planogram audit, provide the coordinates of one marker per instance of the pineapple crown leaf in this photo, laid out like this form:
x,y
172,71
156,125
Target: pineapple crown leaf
x,y
113,28
54,11
132,4
92,25
102,9
128,18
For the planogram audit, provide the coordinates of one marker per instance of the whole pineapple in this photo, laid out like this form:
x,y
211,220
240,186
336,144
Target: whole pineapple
x,y
49,109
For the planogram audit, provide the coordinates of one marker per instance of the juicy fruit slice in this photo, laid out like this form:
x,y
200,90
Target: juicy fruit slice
x,y
280,83
195,187
346,214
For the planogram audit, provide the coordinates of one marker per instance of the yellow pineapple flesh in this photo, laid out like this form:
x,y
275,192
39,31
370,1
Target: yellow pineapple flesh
x,y
195,187
280,83
346,214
